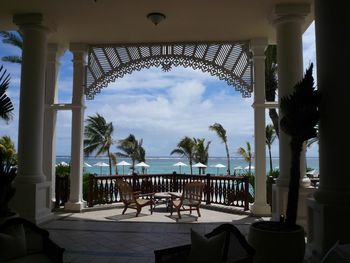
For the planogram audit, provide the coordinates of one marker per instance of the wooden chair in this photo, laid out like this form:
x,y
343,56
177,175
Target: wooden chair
x,y
191,197
131,199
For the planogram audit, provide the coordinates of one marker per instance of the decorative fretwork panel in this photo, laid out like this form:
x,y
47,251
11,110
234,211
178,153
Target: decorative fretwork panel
x,y
230,62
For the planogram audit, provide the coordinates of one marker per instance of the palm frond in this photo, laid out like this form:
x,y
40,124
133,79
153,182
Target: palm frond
x,y
12,59
220,131
12,38
6,106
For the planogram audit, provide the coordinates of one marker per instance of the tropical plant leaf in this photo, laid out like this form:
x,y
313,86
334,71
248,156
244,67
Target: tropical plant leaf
x,y
6,106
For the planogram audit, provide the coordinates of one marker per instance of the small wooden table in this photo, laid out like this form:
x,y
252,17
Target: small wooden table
x,y
163,198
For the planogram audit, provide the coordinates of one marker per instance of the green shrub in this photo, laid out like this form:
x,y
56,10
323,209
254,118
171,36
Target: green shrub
x,y
62,170
274,173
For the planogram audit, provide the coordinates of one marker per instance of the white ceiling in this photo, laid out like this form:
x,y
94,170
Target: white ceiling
x,y
124,21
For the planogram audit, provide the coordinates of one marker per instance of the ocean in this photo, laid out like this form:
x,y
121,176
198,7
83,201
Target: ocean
x,y
164,165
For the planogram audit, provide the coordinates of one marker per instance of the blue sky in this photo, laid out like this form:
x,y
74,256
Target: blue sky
x,y
160,107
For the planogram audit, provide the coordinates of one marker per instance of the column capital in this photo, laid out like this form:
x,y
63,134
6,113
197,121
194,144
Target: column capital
x,y
258,47
33,20
283,13
78,48
54,52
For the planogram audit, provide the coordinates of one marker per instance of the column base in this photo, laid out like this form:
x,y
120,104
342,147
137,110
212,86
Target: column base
x,y
280,200
74,206
32,201
302,218
327,225
260,209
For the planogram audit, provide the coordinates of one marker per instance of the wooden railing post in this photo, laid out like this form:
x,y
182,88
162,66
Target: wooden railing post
x,y
175,183
134,182
57,191
246,193
207,189
91,191
66,188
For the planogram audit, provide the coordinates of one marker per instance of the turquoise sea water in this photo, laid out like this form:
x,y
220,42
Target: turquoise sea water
x,y
161,165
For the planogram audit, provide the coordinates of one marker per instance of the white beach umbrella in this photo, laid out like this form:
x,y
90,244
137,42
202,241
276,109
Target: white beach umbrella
x,y
237,170
143,165
123,163
179,164
217,166
63,164
87,165
199,166
251,167
101,164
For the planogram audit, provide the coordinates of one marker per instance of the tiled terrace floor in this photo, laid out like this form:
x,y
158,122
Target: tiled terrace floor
x,y
108,236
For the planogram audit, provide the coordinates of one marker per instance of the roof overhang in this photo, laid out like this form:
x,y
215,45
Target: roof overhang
x,y
125,21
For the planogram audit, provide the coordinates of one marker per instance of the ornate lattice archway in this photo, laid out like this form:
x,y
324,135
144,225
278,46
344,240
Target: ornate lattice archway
x,y
230,62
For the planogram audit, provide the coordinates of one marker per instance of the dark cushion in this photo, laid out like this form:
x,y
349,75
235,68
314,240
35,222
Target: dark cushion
x,y
206,250
12,243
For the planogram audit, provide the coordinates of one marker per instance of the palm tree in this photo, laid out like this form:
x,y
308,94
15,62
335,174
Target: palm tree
x,y
247,155
98,137
15,39
133,149
271,84
201,152
270,138
114,161
221,133
186,147
6,106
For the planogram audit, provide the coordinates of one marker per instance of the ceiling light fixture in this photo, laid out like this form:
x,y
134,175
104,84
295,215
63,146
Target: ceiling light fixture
x,y
156,18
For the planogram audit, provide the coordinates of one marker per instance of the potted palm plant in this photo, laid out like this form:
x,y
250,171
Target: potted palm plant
x,y
284,241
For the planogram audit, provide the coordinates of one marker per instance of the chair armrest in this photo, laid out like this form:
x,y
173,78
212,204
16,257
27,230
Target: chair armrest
x,y
172,254
148,194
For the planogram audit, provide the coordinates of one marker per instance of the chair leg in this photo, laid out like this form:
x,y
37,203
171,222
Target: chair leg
x,y
190,210
126,207
178,213
138,210
151,208
199,214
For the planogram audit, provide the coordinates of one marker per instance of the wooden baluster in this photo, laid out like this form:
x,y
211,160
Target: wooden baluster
x,y
207,189
224,191
91,191
246,193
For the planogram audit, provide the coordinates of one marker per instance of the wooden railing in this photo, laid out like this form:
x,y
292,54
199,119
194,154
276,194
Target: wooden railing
x,y
61,190
224,190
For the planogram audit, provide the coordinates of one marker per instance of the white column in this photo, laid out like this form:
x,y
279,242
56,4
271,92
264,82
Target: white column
x,y
76,202
288,20
331,210
260,206
32,191
54,52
